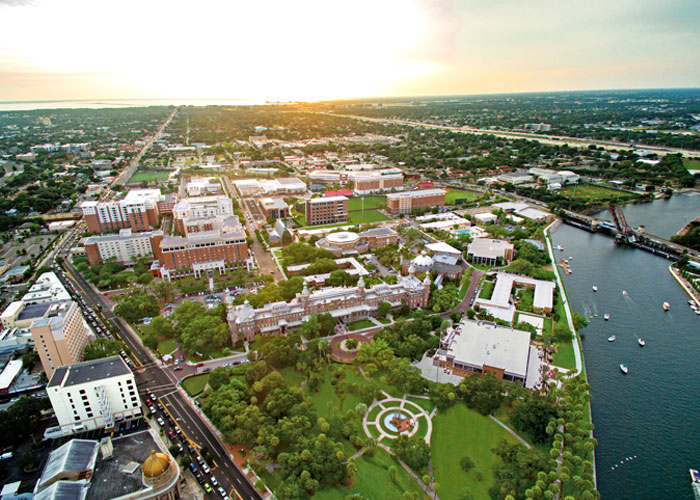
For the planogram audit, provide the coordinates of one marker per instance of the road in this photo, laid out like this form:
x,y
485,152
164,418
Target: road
x,y
544,139
263,259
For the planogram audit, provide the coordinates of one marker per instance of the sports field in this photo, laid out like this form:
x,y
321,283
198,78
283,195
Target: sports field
x,y
597,193
459,194
368,202
366,217
149,176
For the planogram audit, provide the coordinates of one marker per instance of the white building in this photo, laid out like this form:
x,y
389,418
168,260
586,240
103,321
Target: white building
x,y
500,304
267,187
203,186
126,246
203,206
92,395
48,288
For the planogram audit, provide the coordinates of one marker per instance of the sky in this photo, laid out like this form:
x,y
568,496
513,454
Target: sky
x,y
326,49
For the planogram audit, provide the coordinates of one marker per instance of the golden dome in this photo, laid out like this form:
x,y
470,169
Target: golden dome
x,y
155,465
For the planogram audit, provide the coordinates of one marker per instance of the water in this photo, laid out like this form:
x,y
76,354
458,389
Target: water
x,y
122,103
651,413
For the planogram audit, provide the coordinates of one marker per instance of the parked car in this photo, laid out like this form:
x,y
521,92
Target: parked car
x,y
160,421
208,488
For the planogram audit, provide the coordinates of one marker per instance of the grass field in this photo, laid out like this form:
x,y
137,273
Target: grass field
x,y
691,164
149,176
457,194
195,384
426,404
373,480
486,290
292,377
366,203
503,414
565,356
460,431
596,193
354,218
359,325
166,346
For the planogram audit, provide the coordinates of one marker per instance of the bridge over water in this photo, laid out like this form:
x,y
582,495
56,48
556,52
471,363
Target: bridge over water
x,y
626,235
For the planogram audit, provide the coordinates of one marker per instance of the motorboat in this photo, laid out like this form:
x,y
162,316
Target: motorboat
x,y
666,306
559,247
624,292
612,338
606,317
623,368
641,342
595,288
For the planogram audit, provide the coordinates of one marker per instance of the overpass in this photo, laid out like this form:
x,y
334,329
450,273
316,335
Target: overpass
x,y
626,235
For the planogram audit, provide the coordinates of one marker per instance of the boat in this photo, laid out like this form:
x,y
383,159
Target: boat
x,y
641,342
624,292
666,306
606,317
623,368
691,303
612,338
570,257
695,480
559,247
595,288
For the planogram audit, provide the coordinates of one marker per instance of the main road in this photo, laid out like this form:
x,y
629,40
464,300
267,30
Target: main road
x,y
544,139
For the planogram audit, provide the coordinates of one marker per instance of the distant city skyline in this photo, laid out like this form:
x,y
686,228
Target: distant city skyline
x,y
313,50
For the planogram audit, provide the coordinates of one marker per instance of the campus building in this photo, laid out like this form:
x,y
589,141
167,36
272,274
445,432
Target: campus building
x,y
124,247
478,347
377,182
348,243
410,200
268,187
60,335
203,206
47,288
138,211
330,210
132,467
92,395
500,304
488,251
344,303
276,208
201,186
446,261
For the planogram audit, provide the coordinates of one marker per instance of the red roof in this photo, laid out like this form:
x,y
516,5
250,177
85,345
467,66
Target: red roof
x,y
343,192
425,184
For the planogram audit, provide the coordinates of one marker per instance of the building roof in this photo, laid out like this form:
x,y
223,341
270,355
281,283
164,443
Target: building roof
x,y
327,199
124,235
533,213
416,194
481,343
442,247
63,490
274,203
12,309
9,374
378,231
490,248
71,458
89,371
156,464
342,192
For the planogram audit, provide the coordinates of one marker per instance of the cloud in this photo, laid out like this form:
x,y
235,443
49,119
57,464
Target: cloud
x,y
15,3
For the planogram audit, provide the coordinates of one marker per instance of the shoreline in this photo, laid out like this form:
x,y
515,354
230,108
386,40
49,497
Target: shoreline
x,y
684,284
578,347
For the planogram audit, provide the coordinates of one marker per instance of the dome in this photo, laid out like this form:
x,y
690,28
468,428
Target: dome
x,y
342,238
155,465
423,261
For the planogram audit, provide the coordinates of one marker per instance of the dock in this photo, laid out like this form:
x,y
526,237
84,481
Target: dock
x,y
565,266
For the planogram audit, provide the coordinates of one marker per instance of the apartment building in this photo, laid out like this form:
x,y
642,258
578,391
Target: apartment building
x,y
138,210
125,247
200,186
411,200
276,208
330,210
60,336
375,182
92,395
201,207
201,251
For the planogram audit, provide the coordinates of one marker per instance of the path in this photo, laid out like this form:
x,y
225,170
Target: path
x,y
511,432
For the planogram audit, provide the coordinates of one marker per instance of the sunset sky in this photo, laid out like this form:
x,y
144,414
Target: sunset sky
x,y
321,49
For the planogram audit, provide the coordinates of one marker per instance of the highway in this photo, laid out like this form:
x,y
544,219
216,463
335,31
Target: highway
x,y
544,139
151,378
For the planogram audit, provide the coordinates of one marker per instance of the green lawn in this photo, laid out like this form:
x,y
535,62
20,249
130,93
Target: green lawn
x,y
166,346
503,414
368,202
149,176
565,356
384,321
426,404
596,193
460,431
326,393
526,296
366,217
292,377
486,290
458,194
359,325
691,164
373,481
195,384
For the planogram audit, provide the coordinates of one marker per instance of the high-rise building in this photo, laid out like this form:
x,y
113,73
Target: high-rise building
x,y
328,210
139,210
93,395
126,246
410,200
60,336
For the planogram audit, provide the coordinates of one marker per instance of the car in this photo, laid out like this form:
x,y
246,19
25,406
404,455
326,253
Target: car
x,y
160,421
151,409
177,430
199,365
179,447
214,481
159,406
182,437
171,421
199,478
199,460
190,448
206,469
171,435
153,397
222,491
177,368
193,468
208,488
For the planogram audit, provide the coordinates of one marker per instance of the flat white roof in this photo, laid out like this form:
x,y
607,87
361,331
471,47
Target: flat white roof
x,y
417,194
480,343
329,198
8,375
442,247
487,247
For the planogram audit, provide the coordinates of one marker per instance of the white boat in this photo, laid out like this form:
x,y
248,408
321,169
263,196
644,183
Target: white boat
x,y
570,257
559,247
611,338
595,288
623,368
666,306
606,317
624,292
641,342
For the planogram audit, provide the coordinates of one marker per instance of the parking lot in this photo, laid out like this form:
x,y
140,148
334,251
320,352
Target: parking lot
x,y
33,245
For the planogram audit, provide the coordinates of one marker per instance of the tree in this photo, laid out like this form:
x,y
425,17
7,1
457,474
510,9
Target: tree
x,y
351,343
562,332
136,307
392,472
281,350
102,347
161,328
532,415
413,451
484,393
466,463
383,309
580,322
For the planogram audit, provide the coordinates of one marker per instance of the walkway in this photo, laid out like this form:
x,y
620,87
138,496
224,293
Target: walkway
x,y
511,432
408,408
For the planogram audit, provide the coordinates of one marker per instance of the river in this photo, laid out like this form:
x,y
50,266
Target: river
x,y
650,414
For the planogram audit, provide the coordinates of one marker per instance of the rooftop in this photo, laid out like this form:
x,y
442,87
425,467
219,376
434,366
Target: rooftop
x,y
487,247
327,199
89,371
